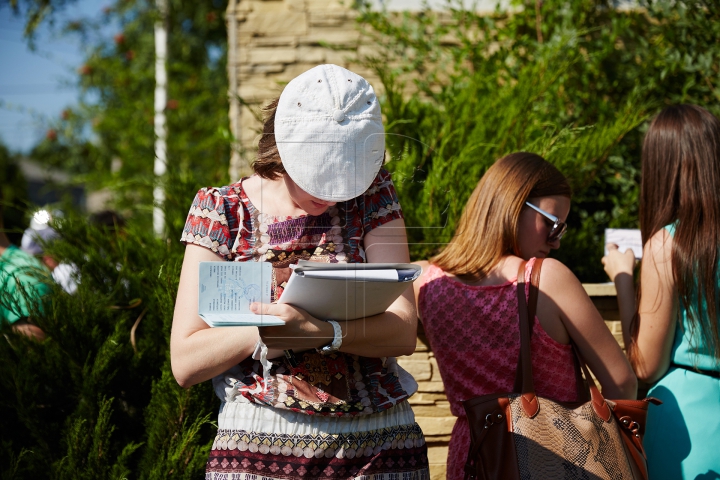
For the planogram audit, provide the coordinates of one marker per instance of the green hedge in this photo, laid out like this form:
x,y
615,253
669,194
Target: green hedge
x,y
573,81
97,399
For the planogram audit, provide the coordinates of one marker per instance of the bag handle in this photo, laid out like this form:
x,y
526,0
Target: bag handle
x,y
524,384
523,372
598,401
529,310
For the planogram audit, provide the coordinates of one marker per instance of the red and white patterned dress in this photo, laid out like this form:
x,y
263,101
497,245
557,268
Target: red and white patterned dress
x,y
329,417
473,332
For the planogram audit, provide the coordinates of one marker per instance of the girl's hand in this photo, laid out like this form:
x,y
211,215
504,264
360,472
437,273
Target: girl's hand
x,y
616,263
301,331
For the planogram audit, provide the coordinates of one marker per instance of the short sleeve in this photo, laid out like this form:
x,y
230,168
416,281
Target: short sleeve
x,y
24,283
212,221
380,203
28,295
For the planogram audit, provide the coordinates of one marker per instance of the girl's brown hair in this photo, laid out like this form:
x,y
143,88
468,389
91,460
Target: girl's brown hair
x,y
681,186
488,227
268,163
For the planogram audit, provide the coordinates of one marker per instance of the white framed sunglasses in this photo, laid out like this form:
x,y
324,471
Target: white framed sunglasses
x,y
558,228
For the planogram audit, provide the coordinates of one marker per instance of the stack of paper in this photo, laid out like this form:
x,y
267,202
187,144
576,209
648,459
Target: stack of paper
x,y
338,291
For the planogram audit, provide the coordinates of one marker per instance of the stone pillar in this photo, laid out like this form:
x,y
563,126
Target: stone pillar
x,y
270,43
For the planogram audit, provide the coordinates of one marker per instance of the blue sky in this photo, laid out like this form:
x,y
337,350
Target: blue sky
x,y
35,86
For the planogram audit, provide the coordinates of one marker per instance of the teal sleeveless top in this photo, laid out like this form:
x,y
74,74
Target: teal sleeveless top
x,y
690,350
682,437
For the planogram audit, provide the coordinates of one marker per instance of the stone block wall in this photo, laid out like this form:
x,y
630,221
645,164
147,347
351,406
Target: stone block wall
x,y
270,43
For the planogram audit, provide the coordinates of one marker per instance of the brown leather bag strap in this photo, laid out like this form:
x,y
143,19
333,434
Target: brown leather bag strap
x,y
534,291
523,375
596,398
522,307
526,311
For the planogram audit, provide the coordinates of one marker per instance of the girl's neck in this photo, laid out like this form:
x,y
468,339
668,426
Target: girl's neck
x,y
271,197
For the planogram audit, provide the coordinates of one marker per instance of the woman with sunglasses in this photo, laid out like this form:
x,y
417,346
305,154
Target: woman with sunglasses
x,y
467,298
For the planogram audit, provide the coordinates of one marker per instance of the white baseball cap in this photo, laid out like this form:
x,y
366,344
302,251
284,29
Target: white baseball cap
x,y
329,133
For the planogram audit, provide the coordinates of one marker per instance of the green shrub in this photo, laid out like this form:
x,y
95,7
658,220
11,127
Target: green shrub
x,y
97,399
573,81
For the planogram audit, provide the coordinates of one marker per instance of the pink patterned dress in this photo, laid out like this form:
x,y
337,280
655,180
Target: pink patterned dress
x,y
473,332
331,417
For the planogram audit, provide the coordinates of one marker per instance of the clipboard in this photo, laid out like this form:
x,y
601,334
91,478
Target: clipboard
x,y
337,291
347,291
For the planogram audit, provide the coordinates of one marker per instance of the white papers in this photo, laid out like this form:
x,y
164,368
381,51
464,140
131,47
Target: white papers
x,y
338,291
226,290
347,291
356,275
624,238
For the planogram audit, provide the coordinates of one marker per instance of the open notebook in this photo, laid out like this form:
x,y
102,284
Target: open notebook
x,y
338,291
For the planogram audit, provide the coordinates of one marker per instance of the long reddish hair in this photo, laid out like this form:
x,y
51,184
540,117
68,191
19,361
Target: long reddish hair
x,y
488,227
681,186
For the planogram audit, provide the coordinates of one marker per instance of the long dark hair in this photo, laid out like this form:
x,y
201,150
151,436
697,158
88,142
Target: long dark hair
x,y
493,210
681,186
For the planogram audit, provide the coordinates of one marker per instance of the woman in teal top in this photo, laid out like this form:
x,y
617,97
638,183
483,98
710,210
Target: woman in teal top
x,y
672,330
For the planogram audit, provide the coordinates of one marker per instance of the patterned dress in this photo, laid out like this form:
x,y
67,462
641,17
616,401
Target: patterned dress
x,y
328,417
473,332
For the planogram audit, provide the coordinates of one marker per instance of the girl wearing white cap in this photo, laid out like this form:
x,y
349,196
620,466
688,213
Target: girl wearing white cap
x,y
338,409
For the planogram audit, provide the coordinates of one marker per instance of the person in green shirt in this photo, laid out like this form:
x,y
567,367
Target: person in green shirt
x,y
21,284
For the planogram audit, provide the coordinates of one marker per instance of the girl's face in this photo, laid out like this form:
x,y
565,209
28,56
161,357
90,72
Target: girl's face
x,y
534,228
305,201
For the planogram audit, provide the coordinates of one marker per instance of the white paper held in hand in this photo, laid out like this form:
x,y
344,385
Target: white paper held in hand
x,y
226,290
624,238
325,290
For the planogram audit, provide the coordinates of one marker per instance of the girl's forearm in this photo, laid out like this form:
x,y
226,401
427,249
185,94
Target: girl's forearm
x,y
385,335
625,288
209,352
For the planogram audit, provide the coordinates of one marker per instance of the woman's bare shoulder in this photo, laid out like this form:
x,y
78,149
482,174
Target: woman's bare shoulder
x,y
556,270
424,264
557,279
659,247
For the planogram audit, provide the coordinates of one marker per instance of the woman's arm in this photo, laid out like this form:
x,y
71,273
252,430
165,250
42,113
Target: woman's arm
x,y
417,284
657,312
658,303
392,333
198,352
620,267
562,296
29,330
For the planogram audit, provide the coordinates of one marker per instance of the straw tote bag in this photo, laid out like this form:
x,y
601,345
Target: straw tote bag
x,y
519,435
